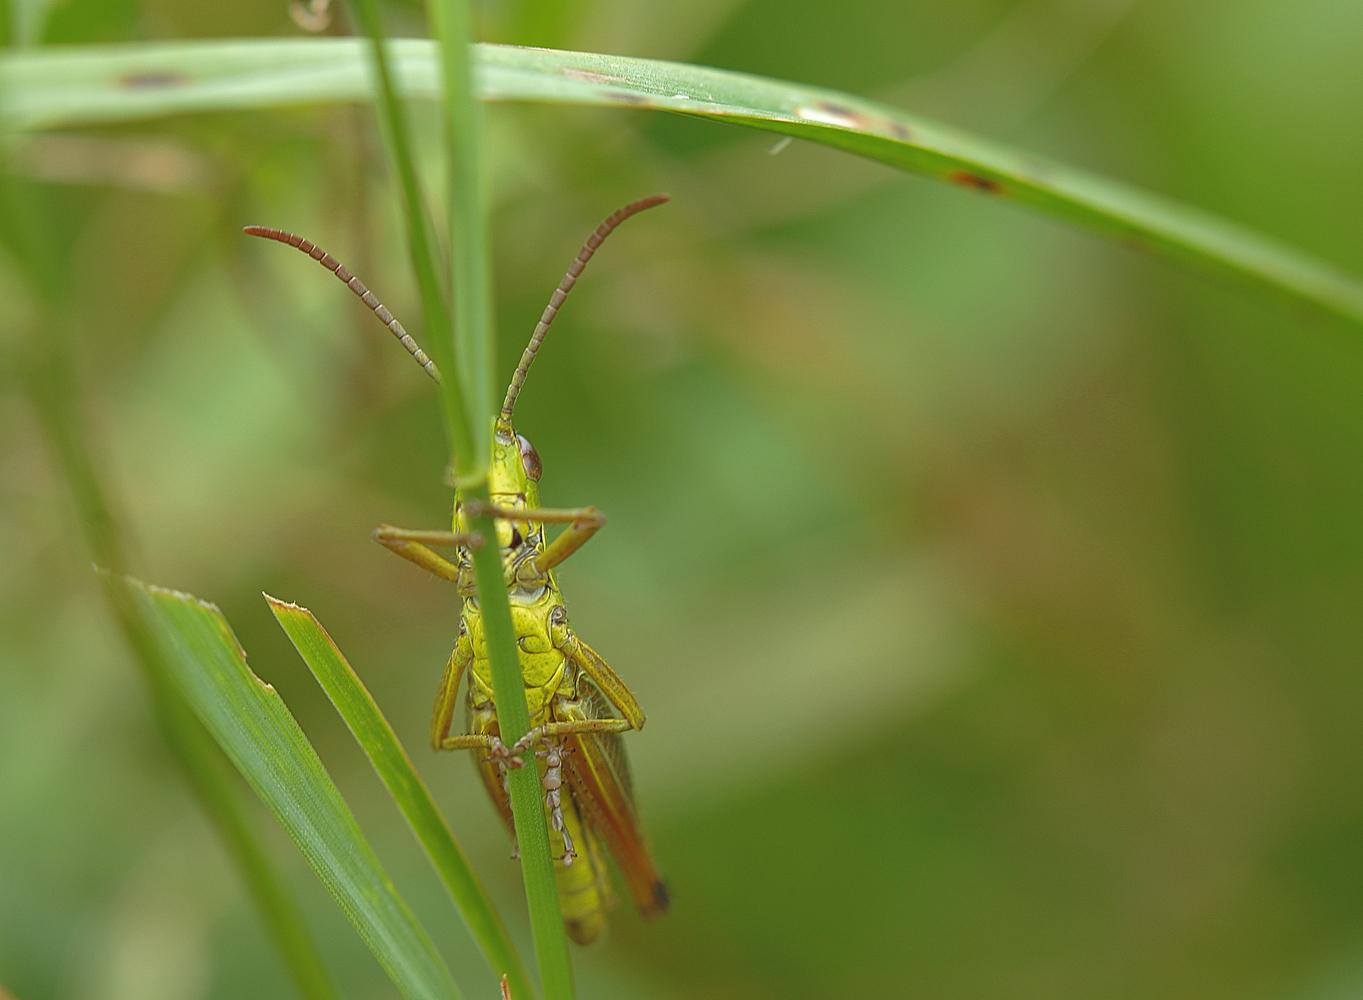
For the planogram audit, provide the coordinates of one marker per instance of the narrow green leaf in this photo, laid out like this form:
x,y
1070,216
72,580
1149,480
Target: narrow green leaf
x,y
513,721
475,324
253,726
372,731
474,341
225,802
420,241
56,87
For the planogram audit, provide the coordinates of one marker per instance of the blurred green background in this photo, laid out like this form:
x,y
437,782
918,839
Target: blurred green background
x,y
995,594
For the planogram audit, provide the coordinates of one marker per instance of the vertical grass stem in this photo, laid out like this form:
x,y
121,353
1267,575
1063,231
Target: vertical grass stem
x,y
470,255
513,719
420,241
465,355
475,339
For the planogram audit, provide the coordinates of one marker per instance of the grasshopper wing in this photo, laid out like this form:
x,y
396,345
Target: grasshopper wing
x,y
598,773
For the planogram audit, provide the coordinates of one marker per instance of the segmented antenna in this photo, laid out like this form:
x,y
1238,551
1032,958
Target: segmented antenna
x,y
355,285
565,286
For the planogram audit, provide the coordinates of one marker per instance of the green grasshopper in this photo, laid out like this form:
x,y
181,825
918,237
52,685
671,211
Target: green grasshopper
x,y
571,690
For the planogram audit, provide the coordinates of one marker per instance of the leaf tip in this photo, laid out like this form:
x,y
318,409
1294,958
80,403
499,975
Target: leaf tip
x,y
276,605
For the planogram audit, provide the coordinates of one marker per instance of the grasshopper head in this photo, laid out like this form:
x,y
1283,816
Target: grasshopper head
x,y
515,470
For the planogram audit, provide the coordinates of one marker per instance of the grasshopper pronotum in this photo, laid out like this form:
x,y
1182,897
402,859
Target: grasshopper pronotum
x,y
569,687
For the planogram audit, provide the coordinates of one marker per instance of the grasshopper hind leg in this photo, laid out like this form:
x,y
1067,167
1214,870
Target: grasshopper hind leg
x,y
553,799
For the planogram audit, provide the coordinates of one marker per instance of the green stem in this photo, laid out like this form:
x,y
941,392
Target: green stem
x,y
419,240
475,337
466,360
470,254
49,384
513,720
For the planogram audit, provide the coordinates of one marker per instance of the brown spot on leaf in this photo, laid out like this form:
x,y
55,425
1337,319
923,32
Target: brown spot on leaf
x,y
966,179
832,114
590,75
842,116
625,97
148,81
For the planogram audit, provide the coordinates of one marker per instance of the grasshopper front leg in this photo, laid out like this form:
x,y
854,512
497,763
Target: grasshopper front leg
x,y
583,522
414,547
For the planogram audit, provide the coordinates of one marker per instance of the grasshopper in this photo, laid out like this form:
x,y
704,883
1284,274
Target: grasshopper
x,y
570,689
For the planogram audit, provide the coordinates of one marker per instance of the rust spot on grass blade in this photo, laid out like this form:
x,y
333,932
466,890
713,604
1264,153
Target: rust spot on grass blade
x,y
589,75
828,113
966,179
152,80
842,116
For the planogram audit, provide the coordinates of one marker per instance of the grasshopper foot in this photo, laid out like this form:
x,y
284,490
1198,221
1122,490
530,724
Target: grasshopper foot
x,y
498,752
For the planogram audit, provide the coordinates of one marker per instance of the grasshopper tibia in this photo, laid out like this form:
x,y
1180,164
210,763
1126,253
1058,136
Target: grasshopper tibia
x,y
553,799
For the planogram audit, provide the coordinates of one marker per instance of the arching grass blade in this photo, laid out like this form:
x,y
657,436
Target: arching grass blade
x,y
255,729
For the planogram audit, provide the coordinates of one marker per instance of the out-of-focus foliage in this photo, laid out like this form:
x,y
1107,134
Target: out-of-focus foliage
x,y
888,467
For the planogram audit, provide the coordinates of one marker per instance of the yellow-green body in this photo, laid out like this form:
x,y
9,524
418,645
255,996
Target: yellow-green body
x,y
572,693
566,685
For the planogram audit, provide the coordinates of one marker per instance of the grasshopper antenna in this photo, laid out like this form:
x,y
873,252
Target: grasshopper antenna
x,y
355,285
565,286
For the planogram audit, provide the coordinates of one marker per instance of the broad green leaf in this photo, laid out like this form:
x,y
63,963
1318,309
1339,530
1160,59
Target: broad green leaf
x,y
259,735
376,737
50,88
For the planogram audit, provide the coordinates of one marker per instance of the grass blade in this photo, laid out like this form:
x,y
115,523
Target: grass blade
x,y
54,87
470,258
424,254
372,731
210,775
475,337
252,725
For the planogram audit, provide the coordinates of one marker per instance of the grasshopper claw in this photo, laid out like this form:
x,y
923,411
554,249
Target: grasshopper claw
x,y
497,751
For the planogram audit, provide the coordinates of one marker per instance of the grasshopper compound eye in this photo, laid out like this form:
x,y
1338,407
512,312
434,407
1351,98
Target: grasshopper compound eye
x,y
530,458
